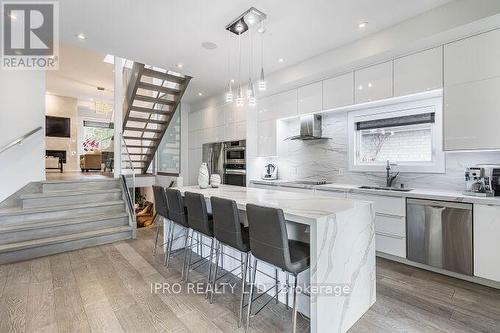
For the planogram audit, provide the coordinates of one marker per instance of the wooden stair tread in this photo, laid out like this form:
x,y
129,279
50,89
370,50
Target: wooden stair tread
x,y
155,87
39,224
139,138
61,239
163,76
155,100
138,129
145,120
147,110
85,180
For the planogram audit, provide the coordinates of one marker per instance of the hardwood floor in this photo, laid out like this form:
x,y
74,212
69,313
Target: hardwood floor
x,y
108,289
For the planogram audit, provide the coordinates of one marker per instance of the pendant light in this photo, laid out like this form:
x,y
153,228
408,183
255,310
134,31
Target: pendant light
x,y
250,58
239,97
229,91
262,79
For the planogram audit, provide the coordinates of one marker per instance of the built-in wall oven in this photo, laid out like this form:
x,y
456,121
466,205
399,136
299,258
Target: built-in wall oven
x,y
439,234
235,172
228,159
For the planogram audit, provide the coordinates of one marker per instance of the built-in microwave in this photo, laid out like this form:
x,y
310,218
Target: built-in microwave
x,y
235,152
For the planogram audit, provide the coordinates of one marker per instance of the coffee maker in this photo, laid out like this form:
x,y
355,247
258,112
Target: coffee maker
x,y
270,172
482,180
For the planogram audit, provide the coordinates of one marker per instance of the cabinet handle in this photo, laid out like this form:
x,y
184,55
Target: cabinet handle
x,y
389,235
389,215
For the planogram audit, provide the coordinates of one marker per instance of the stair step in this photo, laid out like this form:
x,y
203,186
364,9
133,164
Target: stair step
x,y
145,120
138,129
11,216
59,227
163,76
147,110
155,87
58,198
138,154
82,184
139,138
154,100
140,147
46,246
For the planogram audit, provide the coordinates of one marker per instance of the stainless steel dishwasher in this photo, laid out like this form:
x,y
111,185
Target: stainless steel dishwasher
x,y
439,234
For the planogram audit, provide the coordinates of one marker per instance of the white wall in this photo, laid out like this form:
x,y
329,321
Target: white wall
x,y
22,109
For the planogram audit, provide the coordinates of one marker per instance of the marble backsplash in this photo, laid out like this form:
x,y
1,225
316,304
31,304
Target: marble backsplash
x,y
327,159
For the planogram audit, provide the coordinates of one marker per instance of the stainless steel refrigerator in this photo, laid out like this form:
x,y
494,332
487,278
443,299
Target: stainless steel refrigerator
x,y
213,155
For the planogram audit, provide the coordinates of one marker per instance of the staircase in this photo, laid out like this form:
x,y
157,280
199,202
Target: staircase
x,y
151,100
64,216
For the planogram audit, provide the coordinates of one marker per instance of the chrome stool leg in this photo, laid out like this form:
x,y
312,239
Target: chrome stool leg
x,y
252,287
287,289
157,233
190,255
243,284
295,304
185,254
276,288
169,244
210,265
216,268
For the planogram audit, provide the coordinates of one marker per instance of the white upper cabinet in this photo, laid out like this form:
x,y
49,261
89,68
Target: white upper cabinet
x,y
418,72
486,244
471,115
233,113
214,117
310,98
266,138
471,93
277,106
472,59
195,120
338,91
373,83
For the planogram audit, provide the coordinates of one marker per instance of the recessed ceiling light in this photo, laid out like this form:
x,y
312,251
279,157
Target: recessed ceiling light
x,y
13,17
91,99
281,60
232,80
200,94
179,65
362,25
209,45
81,36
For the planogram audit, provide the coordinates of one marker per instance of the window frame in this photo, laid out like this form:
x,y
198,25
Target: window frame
x,y
390,109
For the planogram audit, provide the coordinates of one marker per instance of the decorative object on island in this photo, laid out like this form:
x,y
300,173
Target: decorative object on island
x,y
203,177
215,180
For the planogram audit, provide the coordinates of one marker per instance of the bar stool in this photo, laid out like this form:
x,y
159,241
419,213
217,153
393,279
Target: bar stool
x,y
176,214
161,211
228,230
269,243
201,223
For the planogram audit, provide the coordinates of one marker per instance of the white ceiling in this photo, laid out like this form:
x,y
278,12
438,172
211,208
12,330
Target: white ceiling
x,y
166,32
80,72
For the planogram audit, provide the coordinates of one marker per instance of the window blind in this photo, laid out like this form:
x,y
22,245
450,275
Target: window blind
x,y
423,118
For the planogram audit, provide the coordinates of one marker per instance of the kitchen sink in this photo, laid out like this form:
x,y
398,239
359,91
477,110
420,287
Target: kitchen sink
x,y
383,188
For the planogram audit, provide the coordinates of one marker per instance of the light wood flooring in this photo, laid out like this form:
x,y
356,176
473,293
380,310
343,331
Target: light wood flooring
x,y
107,289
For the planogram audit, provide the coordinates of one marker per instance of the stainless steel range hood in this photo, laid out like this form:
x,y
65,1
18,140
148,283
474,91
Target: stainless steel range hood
x,y
310,128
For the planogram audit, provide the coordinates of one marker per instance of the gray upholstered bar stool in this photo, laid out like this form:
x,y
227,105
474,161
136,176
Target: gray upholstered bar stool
x,y
161,211
176,214
269,243
229,231
201,223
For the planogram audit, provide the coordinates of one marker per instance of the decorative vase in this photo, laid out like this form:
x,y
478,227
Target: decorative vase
x,y
203,178
215,180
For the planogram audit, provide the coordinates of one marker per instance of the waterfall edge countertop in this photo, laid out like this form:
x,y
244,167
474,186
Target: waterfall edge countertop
x,y
341,233
297,207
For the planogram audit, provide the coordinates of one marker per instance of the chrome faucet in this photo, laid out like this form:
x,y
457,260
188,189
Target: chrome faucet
x,y
390,178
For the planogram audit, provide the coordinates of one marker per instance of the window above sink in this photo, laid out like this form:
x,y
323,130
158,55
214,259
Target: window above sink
x,y
408,134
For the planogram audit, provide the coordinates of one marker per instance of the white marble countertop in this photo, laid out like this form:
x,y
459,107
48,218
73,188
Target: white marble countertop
x,y
297,207
414,193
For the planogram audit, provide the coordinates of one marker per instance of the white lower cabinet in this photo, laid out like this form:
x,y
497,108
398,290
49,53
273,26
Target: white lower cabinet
x,y
487,242
390,222
329,193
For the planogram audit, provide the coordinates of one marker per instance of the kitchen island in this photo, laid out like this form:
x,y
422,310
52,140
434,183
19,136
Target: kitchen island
x,y
341,234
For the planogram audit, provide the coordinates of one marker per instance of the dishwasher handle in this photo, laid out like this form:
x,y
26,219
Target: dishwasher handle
x,y
439,204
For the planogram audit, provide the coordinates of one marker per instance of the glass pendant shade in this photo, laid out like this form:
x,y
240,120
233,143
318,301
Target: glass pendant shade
x,y
249,88
239,98
229,93
252,100
262,80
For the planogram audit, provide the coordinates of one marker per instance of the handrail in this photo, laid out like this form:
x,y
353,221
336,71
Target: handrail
x,y
20,140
